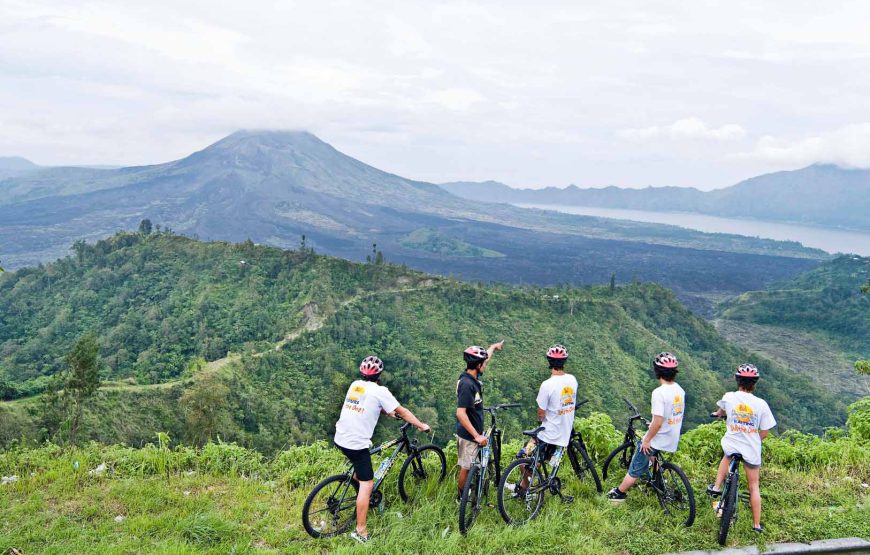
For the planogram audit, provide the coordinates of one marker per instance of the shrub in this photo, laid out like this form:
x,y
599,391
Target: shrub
x,y
599,434
858,421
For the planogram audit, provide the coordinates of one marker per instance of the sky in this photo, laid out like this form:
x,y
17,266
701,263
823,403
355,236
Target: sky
x,y
629,93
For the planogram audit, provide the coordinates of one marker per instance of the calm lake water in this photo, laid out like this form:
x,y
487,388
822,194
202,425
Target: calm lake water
x,y
830,240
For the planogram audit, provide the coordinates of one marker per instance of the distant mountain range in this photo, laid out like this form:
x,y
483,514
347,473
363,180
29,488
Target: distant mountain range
x,y
274,186
820,194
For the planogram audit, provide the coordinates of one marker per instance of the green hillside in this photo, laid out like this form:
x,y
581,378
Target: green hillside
x,y
826,301
166,310
227,499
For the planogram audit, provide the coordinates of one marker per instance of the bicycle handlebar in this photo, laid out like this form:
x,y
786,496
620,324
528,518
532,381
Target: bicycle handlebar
x,y
501,406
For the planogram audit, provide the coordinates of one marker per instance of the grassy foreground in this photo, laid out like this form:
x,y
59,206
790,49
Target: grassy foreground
x,y
227,499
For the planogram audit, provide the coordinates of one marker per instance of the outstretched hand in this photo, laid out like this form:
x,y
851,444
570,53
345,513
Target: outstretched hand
x,y
497,346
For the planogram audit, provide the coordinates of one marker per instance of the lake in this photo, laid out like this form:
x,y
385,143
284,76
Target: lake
x,y
830,240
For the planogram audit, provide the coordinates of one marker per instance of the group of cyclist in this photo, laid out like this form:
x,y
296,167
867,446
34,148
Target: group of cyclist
x,y
748,420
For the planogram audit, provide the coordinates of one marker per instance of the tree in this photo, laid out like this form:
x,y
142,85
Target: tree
x,y
613,282
145,227
205,409
866,288
82,379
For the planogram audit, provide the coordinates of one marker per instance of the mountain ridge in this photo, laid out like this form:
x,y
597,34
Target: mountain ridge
x,y
819,194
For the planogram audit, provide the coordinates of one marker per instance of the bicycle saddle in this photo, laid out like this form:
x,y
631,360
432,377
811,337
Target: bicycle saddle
x,y
533,433
736,456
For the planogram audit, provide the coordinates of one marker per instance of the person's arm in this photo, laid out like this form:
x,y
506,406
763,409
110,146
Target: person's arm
x,y
492,349
542,400
763,434
654,428
462,416
541,414
409,417
718,412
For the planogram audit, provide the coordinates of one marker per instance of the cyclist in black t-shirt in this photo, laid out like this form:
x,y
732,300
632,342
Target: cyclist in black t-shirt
x,y
469,407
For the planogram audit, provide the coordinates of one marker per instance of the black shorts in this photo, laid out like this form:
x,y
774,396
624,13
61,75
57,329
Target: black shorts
x,y
362,462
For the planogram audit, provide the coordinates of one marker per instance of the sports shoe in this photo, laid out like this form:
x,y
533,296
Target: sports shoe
x,y
616,496
758,529
359,537
713,492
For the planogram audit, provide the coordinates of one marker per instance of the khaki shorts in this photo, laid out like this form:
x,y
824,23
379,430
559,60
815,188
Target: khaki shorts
x,y
466,450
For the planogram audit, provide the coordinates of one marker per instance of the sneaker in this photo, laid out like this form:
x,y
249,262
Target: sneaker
x,y
713,492
359,537
758,529
616,496
717,510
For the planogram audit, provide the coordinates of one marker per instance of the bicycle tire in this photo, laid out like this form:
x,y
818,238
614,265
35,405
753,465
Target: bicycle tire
x,y
469,505
415,462
690,494
729,498
579,470
536,479
340,480
624,457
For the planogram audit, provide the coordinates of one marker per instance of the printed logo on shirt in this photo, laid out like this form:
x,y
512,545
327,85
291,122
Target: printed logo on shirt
x,y
744,419
477,399
355,398
677,411
566,404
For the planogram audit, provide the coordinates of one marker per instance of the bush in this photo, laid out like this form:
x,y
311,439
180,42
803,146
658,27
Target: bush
x,y
858,422
599,434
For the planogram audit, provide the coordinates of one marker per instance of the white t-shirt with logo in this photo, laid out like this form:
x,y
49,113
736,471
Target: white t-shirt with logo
x,y
359,414
558,396
746,415
669,402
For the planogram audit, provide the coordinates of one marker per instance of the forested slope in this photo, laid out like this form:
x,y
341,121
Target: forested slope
x,y
161,304
826,301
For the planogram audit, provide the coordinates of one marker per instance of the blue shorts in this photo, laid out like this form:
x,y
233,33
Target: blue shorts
x,y
640,461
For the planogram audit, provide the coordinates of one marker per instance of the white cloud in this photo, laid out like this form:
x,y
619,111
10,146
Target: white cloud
x,y
687,128
456,99
847,146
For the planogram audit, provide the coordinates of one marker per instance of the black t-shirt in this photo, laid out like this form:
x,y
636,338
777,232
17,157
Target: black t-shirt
x,y
469,395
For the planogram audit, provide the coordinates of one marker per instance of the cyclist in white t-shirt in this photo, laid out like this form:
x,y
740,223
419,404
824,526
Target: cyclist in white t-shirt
x,y
366,399
557,398
668,404
748,419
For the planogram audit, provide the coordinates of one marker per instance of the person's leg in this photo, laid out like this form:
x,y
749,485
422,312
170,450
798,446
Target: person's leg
x,y
362,506
638,467
465,451
722,472
752,479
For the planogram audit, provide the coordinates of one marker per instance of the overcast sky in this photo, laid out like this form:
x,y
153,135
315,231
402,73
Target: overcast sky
x,y
619,92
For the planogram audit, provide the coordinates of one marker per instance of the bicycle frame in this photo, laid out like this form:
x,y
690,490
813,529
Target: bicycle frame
x,y
403,443
732,480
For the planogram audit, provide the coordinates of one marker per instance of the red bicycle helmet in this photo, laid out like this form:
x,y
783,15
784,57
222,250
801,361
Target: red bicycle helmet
x,y
557,352
371,366
747,371
666,360
475,354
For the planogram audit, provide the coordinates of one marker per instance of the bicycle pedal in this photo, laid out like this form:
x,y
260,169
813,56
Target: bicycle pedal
x,y
567,499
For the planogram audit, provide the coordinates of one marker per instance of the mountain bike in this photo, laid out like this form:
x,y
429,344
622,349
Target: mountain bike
x,y
666,479
330,508
726,508
486,463
527,479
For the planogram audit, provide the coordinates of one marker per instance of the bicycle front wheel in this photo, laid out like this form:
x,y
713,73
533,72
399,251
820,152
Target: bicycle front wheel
x,y
469,502
729,506
521,492
421,473
330,508
582,464
618,460
675,494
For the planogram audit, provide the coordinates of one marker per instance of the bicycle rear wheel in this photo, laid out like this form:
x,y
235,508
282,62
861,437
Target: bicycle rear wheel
x,y
469,502
729,506
676,495
619,457
521,492
422,471
583,464
330,508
